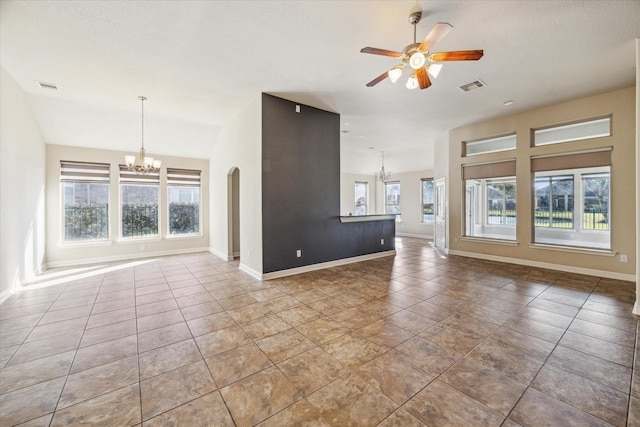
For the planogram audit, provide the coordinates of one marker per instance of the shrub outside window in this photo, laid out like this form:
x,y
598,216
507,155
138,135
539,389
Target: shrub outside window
x,y
183,191
85,190
139,204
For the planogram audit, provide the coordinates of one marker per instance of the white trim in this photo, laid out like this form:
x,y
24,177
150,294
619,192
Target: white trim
x,y
314,267
489,240
83,261
530,263
219,254
417,236
6,294
636,308
250,271
573,249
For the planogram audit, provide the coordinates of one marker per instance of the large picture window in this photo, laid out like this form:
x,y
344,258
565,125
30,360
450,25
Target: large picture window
x,y
490,200
85,192
361,196
572,206
392,197
183,192
427,200
139,204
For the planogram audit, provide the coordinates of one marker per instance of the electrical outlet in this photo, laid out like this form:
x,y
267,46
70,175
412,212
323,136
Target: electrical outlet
x,y
297,108
298,253
382,241
623,258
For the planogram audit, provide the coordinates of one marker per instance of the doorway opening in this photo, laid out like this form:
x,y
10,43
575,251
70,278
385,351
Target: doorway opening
x,y
233,200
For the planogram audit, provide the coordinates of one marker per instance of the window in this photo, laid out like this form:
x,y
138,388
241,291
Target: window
x,y
85,189
573,132
427,200
392,197
490,201
361,194
501,201
554,201
572,206
183,188
490,145
139,203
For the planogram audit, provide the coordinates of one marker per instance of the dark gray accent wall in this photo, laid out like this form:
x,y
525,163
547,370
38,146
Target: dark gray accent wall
x,y
301,191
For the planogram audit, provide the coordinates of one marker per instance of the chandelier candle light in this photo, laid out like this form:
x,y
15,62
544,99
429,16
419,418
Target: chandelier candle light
x,y
146,164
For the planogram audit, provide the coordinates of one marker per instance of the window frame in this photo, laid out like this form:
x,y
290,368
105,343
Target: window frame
x,y
386,204
181,180
579,212
88,173
130,178
423,181
365,205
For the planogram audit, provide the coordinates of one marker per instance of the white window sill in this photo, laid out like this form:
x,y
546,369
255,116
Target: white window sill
x,y
86,244
489,240
182,236
139,240
574,249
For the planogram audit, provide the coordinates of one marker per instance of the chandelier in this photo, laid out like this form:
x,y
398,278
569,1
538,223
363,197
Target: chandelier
x,y
145,164
382,175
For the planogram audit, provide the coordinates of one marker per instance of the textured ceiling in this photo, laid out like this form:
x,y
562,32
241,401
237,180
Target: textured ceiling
x,y
200,61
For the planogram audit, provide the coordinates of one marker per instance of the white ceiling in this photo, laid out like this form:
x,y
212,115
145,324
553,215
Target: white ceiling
x,y
200,61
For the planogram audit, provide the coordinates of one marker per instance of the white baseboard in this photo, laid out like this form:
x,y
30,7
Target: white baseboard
x,y
417,236
322,265
636,308
559,267
222,255
250,271
85,261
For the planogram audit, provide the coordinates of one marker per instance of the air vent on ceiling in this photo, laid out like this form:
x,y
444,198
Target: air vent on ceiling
x,y
44,85
471,86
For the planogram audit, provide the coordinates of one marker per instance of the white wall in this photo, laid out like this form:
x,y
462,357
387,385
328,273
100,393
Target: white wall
x,y
239,144
410,204
347,193
22,181
116,248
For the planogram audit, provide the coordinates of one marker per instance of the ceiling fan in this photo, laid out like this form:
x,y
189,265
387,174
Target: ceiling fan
x,y
418,57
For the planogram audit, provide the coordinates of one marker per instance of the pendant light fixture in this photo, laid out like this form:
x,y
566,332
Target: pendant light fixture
x,y
143,165
383,175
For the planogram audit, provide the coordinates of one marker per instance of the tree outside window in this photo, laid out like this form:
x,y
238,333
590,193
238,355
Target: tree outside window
x,y
501,202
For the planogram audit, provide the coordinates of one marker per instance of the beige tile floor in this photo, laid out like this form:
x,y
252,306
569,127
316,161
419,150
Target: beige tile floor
x,y
411,340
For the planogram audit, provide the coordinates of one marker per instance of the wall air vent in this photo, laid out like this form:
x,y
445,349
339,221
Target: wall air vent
x,y
44,85
471,86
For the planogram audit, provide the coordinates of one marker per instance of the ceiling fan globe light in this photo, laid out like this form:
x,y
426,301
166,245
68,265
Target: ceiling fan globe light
x,y
412,83
394,74
417,60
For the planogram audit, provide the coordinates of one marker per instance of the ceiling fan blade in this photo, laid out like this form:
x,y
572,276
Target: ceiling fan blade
x,y
384,52
378,79
439,31
423,78
458,55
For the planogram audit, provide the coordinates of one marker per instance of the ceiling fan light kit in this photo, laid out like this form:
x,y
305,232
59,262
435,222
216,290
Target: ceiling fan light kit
x,y
418,57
